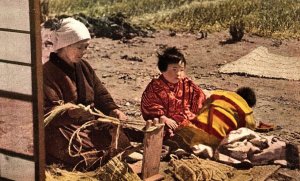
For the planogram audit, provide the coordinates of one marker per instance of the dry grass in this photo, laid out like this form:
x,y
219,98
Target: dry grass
x,y
111,171
54,173
270,18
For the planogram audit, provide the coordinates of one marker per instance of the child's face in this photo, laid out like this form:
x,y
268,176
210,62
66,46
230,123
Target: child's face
x,y
175,72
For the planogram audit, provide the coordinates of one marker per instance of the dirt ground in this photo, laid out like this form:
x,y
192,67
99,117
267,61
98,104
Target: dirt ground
x,y
127,67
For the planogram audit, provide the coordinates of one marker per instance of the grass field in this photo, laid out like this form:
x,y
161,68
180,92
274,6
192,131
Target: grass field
x,y
269,18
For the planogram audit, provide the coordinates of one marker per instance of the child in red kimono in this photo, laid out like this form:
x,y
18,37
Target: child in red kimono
x,y
182,105
172,97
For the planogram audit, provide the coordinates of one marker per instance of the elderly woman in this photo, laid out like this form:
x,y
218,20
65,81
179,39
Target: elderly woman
x,y
70,79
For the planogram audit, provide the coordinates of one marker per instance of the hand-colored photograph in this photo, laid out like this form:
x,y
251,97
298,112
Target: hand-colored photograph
x,y
150,90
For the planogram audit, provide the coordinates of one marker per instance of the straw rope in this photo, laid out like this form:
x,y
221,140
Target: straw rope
x,y
101,118
137,125
199,169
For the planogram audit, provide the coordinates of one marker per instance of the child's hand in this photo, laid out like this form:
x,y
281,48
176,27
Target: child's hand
x,y
169,122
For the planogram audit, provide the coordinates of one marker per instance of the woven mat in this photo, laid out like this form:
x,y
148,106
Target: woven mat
x,y
261,63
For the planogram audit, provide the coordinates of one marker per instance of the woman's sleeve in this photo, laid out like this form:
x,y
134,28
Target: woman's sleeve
x,y
51,100
151,104
103,100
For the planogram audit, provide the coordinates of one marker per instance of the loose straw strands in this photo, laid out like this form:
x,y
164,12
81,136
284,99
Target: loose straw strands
x,y
101,118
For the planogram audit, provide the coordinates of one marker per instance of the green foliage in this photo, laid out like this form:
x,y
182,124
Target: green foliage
x,y
101,7
276,18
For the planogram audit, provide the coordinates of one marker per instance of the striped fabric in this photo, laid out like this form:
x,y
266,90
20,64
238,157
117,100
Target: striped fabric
x,y
224,111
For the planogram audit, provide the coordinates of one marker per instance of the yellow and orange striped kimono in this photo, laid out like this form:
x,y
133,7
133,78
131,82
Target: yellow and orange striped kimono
x,y
223,111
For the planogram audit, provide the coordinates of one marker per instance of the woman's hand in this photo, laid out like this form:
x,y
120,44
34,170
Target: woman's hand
x,y
80,114
118,114
169,122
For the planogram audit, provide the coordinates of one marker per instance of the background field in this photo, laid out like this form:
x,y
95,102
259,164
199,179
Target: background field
x,y
271,18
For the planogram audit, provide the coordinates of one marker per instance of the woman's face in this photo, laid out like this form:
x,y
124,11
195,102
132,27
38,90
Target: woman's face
x,y
74,53
175,72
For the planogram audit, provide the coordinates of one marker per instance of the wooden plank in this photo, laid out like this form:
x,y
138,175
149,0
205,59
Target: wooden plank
x,y
21,80
156,177
37,88
14,14
15,47
16,132
15,78
152,151
136,167
16,168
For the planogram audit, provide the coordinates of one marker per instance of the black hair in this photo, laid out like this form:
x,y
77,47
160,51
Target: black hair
x,y
248,94
170,55
53,24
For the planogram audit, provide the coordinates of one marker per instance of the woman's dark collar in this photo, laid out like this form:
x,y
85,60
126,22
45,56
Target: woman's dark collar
x,y
60,63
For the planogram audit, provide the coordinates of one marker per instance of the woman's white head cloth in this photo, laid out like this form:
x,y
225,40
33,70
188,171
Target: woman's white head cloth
x,y
71,31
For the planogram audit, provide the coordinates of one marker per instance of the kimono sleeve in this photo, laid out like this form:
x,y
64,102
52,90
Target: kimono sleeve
x,y
250,121
151,104
197,98
103,100
51,100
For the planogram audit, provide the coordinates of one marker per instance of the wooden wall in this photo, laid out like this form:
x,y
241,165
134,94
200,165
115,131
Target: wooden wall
x,y
21,123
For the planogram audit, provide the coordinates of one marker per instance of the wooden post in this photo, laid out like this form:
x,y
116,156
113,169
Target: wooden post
x,y
152,152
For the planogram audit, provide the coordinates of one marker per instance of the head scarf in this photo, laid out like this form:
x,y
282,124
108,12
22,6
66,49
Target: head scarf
x,y
70,31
